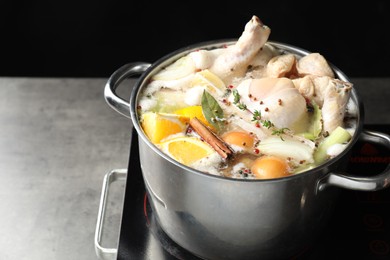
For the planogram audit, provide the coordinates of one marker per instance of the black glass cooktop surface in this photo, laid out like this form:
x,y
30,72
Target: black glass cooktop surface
x,y
358,229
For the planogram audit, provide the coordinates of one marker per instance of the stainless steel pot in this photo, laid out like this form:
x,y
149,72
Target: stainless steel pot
x,y
220,218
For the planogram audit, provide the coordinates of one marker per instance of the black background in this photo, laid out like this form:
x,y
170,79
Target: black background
x,y
94,38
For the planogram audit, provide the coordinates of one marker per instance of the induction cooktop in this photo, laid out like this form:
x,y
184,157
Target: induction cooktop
x,y
358,229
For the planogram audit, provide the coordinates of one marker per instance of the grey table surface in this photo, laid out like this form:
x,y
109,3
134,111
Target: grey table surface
x,y
58,138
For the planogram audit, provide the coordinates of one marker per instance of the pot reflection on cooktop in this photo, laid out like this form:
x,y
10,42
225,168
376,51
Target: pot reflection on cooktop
x,y
358,229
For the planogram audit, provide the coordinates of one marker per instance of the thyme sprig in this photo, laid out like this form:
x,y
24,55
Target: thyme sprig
x,y
280,131
267,123
237,99
257,117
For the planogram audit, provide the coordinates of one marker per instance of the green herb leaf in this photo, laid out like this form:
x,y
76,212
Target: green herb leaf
x,y
212,111
279,132
256,116
268,124
237,99
242,106
236,96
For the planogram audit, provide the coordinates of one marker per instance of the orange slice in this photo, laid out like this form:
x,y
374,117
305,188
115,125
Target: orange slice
x,y
186,150
190,112
159,126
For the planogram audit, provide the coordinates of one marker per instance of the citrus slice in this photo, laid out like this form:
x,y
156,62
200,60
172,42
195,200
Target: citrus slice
x,y
210,81
186,150
190,112
159,126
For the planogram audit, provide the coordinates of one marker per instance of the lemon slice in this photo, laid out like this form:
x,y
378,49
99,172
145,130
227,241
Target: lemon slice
x,y
210,81
186,150
158,126
179,69
190,112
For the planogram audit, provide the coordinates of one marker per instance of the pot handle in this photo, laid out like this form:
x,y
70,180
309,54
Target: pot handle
x,y
103,252
373,183
117,103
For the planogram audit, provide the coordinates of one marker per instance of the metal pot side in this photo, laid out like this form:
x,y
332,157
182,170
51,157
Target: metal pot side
x,y
220,218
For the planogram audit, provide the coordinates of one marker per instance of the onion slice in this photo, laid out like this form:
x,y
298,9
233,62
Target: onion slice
x,y
287,148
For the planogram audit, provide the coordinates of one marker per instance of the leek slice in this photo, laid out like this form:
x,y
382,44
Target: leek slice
x,y
338,136
304,168
315,127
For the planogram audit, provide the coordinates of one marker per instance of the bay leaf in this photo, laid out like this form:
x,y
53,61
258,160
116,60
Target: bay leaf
x,y
212,111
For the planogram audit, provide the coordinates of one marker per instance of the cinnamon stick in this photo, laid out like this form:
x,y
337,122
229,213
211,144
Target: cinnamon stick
x,y
211,138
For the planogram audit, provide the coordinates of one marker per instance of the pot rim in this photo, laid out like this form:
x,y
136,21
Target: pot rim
x,y
169,58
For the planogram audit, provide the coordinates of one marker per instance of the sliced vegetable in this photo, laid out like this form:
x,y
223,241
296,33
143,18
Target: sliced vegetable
x,y
286,148
179,69
303,168
338,136
168,101
315,126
